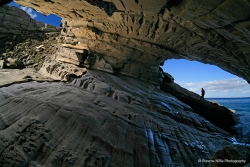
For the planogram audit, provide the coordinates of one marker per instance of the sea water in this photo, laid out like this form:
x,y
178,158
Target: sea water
x,y
241,108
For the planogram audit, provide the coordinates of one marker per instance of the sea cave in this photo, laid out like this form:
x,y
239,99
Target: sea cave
x,y
92,91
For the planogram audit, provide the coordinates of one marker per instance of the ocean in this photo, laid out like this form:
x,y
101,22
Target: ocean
x,y
241,108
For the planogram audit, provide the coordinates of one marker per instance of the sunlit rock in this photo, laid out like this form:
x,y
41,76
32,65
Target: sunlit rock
x,y
134,37
128,112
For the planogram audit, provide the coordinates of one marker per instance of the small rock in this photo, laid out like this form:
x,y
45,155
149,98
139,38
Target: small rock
x,y
29,62
40,48
13,63
1,63
10,60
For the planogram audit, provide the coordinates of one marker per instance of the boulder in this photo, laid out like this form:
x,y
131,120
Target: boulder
x,y
14,63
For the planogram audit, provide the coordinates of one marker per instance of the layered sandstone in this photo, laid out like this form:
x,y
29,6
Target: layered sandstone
x,y
11,76
104,119
134,37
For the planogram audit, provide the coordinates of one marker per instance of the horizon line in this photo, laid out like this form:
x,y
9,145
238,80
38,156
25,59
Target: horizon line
x,y
225,97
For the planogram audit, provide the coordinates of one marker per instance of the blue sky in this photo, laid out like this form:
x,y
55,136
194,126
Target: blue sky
x,y
191,75
50,19
194,75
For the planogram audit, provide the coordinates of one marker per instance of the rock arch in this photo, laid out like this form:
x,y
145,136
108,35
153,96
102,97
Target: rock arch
x,y
138,36
122,119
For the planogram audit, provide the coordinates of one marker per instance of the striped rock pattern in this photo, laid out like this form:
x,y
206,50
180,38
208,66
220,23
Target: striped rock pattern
x,y
135,36
101,120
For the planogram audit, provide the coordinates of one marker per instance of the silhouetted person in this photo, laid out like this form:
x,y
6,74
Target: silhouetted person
x,y
202,94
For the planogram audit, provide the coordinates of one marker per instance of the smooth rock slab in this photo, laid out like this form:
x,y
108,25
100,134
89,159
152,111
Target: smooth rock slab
x,y
101,120
10,76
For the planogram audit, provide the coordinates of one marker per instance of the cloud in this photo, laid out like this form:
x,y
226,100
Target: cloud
x,y
226,86
29,11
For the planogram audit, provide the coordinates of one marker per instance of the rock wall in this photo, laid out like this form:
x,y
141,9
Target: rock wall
x,y
134,37
24,42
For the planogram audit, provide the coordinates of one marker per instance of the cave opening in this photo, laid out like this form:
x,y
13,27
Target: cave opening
x,y
194,75
51,19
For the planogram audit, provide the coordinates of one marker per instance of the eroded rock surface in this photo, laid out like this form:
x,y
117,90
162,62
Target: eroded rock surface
x,y
105,119
102,120
24,42
29,43
134,37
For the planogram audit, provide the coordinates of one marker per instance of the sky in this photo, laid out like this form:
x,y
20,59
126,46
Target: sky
x,y
217,83
50,19
191,75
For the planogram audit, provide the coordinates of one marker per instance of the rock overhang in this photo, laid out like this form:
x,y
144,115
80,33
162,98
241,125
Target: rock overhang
x,y
102,104
134,37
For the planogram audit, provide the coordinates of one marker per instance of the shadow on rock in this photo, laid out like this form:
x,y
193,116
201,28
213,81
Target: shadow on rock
x,y
216,114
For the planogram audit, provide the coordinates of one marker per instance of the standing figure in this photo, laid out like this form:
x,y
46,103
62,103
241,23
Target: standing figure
x,y
202,94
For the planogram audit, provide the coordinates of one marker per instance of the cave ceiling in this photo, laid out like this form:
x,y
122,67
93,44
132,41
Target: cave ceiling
x,y
146,32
